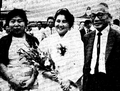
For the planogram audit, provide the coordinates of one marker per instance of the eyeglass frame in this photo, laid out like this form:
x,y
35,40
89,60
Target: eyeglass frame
x,y
98,15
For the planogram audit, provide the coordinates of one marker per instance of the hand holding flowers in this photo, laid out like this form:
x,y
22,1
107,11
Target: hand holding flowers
x,y
43,62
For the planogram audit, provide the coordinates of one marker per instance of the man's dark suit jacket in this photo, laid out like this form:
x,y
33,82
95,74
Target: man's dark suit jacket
x,y
83,32
112,60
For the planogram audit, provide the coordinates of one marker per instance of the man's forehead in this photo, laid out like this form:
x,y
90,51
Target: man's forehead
x,y
99,8
50,20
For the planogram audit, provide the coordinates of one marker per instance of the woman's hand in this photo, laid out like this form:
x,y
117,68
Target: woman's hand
x,y
51,75
29,83
14,84
65,85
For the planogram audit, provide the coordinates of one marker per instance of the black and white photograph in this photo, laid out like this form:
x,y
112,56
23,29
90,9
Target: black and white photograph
x,y
59,45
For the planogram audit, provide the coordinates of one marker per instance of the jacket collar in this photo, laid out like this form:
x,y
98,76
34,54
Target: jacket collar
x,y
110,41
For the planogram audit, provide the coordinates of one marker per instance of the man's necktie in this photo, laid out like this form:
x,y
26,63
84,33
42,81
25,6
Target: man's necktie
x,y
51,30
88,30
98,51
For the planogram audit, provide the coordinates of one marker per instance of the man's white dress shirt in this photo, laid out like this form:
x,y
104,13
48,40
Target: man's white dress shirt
x,y
103,40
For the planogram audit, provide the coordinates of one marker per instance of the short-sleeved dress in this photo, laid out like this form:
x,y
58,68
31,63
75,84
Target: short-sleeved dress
x,y
19,68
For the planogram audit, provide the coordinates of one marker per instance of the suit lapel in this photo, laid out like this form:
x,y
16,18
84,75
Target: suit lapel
x,y
83,32
89,47
110,43
91,39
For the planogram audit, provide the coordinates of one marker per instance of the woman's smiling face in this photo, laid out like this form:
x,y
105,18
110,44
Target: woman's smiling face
x,y
61,25
17,25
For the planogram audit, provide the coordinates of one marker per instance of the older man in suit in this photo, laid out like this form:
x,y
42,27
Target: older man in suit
x,y
102,53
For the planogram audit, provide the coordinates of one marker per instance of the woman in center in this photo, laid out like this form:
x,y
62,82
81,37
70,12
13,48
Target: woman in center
x,y
66,50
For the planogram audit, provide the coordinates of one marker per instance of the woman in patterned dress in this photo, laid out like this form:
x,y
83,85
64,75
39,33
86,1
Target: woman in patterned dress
x,y
16,74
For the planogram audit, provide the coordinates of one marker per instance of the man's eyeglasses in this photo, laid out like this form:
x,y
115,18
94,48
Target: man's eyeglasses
x,y
99,15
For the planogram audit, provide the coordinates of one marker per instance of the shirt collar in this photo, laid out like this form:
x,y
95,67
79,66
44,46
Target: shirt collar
x,y
106,30
85,29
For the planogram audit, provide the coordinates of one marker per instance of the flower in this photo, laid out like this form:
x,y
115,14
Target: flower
x,y
44,62
37,58
61,49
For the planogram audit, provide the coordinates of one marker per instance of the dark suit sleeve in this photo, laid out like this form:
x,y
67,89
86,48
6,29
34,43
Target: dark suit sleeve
x,y
86,67
82,32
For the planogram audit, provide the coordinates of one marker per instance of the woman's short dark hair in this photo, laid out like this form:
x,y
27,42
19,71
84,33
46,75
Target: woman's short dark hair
x,y
16,12
68,16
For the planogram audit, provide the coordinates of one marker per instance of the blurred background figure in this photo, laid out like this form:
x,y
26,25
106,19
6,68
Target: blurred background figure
x,y
39,25
116,22
50,29
86,28
29,30
81,25
36,30
86,14
50,22
3,31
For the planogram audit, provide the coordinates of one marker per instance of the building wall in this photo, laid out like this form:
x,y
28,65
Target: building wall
x,y
41,9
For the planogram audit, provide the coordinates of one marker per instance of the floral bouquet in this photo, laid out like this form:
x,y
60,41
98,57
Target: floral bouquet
x,y
37,58
44,62
30,61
